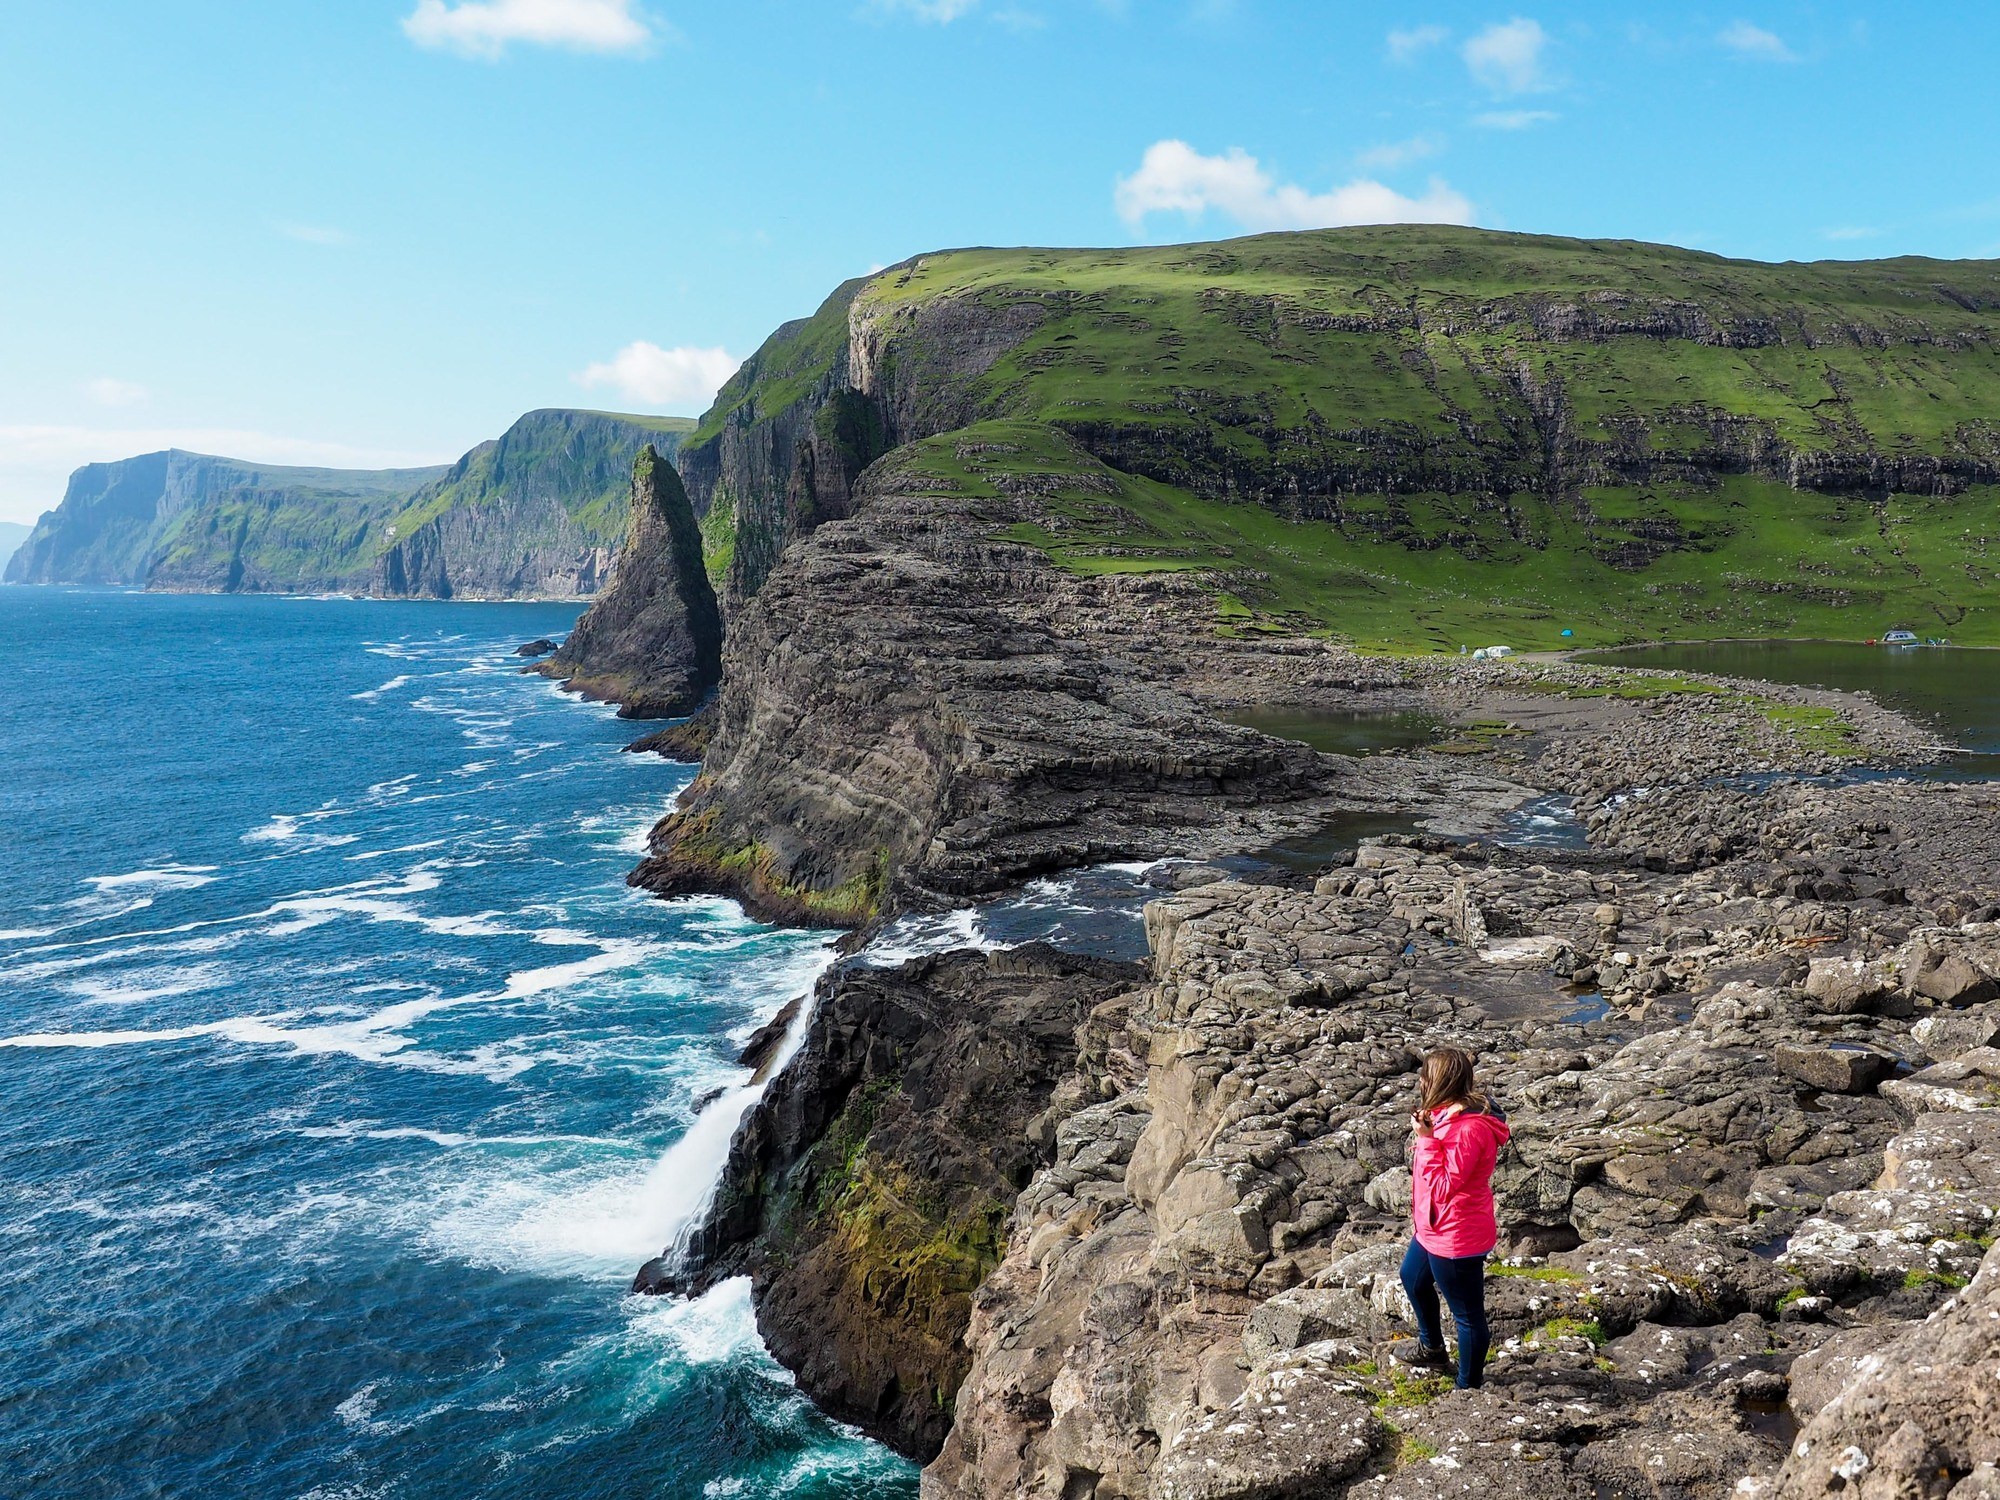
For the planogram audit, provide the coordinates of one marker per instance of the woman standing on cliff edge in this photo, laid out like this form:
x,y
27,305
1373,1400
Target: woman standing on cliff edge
x,y
1457,1138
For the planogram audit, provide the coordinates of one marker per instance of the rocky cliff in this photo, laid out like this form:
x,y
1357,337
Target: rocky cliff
x,y
1084,500
867,1193
913,711
653,642
535,514
189,521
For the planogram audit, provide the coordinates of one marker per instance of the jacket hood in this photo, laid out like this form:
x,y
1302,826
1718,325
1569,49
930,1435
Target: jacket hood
x,y
1492,1123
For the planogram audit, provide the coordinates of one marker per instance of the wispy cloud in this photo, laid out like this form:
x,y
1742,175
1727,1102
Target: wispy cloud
x,y
1507,57
1393,154
1851,232
107,390
1513,119
1755,42
684,379
936,12
315,234
1407,41
484,28
1173,177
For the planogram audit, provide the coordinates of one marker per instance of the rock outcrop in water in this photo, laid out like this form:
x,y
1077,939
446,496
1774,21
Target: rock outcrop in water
x,y
653,643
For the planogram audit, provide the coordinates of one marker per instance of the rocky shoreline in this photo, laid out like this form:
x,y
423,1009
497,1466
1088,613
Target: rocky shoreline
x,y
1057,1226
1742,1029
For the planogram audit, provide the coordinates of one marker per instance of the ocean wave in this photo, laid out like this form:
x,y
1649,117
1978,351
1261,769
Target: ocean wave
x,y
165,878
375,693
378,1036
914,936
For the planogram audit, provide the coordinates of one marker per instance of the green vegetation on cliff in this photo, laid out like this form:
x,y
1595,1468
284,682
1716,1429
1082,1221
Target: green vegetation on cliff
x,y
1427,436
538,510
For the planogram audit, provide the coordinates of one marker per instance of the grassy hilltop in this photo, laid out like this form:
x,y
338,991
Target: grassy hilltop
x,y
1424,436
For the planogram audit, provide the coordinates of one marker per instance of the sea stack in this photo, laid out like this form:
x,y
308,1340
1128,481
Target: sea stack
x,y
652,642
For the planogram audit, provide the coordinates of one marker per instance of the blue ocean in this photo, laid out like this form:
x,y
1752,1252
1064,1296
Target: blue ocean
x,y
347,1084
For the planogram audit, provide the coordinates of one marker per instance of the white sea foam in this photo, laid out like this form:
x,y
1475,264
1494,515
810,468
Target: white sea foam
x,y
450,1139
914,936
388,687
166,878
157,984
378,1036
710,1329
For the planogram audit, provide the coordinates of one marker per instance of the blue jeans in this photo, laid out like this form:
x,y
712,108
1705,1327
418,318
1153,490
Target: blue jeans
x,y
1463,1282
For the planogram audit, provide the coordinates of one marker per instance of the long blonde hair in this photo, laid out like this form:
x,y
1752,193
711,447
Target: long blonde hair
x,y
1446,1078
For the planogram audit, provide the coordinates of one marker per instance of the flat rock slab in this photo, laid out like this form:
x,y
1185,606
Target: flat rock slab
x,y
1293,1433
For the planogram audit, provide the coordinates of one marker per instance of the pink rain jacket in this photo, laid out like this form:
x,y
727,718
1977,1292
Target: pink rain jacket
x,y
1453,1172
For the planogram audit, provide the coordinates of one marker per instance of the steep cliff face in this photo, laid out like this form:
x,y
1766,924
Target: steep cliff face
x,y
865,1194
536,513
780,451
653,641
911,710
1643,437
189,521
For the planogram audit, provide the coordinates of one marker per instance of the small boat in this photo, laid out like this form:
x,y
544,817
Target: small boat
x,y
1900,638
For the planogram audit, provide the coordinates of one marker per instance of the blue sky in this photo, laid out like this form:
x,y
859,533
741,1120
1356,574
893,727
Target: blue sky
x,y
374,231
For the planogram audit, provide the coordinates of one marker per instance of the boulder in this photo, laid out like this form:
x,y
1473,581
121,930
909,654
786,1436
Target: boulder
x,y
1292,1433
1950,1034
1843,1068
1918,1417
1967,1082
1844,986
1953,981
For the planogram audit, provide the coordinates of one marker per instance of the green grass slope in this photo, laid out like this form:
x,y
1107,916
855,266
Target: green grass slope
x,y
1427,436
581,459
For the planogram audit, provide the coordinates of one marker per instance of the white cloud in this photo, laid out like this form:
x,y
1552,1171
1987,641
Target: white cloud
x,y
1173,177
1407,41
483,28
1507,56
36,461
939,12
315,234
1746,40
1513,119
107,390
1399,153
684,379
1852,232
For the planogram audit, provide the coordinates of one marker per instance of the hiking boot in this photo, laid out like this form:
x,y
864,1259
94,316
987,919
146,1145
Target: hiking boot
x,y
1419,1355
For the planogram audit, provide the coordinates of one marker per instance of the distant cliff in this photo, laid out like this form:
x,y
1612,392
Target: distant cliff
x,y
12,534
535,513
539,511
191,521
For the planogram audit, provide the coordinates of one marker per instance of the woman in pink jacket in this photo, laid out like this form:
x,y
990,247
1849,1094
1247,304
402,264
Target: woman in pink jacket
x,y
1458,1136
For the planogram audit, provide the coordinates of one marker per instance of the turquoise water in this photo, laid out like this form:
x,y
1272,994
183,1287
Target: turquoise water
x,y
346,1082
